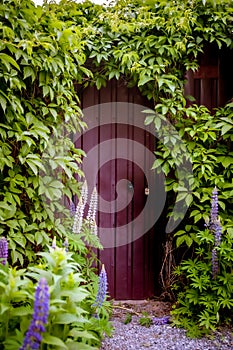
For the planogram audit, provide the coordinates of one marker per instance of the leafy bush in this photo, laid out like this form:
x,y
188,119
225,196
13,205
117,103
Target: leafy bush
x,y
72,320
205,288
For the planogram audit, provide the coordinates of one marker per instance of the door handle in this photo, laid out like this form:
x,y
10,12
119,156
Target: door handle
x,y
147,191
130,186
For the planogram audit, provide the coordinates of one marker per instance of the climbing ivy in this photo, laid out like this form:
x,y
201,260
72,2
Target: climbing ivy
x,y
40,57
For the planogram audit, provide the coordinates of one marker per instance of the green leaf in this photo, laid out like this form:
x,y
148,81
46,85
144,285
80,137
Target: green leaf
x,y
3,102
149,119
6,59
51,340
76,333
33,166
66,318
226,128
188,240
144,79
180,240
29,72
188,199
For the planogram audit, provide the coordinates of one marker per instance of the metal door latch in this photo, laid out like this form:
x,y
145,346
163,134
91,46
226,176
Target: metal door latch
x,y
147,191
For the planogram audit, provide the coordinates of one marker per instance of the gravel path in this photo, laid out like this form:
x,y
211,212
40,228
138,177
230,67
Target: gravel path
x,y
163,337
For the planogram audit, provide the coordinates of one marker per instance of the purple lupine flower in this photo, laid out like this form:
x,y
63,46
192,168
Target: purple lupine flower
x,y
217,233
215,225
72,209
102,288
3,250
161,320
216,229
214,207
33,336
215,266
66,244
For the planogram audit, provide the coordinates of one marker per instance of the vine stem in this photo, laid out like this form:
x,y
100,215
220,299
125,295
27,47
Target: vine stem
x,y
126,309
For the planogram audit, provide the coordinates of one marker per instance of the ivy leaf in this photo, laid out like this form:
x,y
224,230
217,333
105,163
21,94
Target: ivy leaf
x,y
7,60
149,119
226,128
3,102
144,79
29,72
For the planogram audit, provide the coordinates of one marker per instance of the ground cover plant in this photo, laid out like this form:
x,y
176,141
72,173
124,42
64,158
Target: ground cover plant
x,y
44,53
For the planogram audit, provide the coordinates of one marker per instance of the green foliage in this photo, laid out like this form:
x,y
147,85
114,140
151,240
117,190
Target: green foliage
x,y
144,45
204,302
72,322
207,138
40,57
145,320
128,318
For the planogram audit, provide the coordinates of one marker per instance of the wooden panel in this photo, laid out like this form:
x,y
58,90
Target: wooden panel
x,y
204,86
211,85
206,72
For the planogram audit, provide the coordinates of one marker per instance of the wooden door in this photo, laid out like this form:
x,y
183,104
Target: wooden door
x,y
119,160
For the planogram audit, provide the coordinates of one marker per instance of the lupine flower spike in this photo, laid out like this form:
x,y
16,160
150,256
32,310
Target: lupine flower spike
x,y
102,288
216,229
72,209
215,266
214,207
215,225
92,211
78,217
3,250
217,233
33,336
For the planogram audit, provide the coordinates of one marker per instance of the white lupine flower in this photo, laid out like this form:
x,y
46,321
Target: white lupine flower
x,y
79,213
78,217
84,193
92,212
93,206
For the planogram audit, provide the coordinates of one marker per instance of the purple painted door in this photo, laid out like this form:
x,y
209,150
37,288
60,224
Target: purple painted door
x,y
119,159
